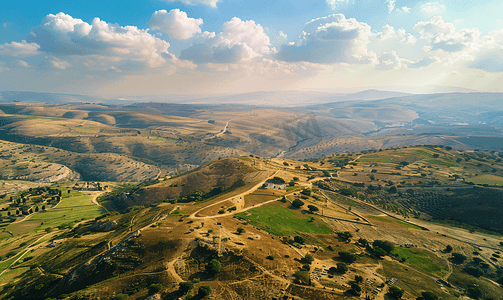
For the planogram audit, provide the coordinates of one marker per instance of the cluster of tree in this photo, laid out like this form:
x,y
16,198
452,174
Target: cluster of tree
x,y
347,257
213,267
277,180
458,258
341,268
297,203
348,192
380,248
186,287
346,235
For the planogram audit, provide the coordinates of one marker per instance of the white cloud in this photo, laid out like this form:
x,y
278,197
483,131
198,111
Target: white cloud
x,y
432,8
406,9
60,64
5,25
391,5
490,58
176,24
22,63
444,36
211,3
332,39
282,35
334,3
62,34
238,41
390,61
19,49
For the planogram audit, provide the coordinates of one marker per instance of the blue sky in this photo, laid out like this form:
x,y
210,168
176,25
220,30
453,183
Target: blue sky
x,y
232,46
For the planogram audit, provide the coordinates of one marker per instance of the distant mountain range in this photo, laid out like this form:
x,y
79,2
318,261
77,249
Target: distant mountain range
x,y
266,98
454,100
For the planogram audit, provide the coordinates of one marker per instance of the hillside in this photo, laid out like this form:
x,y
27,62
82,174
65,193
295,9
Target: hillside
x,y
233,226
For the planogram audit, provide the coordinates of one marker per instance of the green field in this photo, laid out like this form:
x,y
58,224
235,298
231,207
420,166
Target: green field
x,y
282,221
75,201
375,159
419,259
444,161
487,179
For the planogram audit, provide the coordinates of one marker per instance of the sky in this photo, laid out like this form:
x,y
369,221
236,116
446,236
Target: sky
x,y
133,47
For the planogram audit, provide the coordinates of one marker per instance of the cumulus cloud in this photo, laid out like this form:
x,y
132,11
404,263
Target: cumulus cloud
x,y
334,3
22,64
60,64
61,34
19,49
391,5
390,61
175,23
282,35
211,3
238,41
332,39
444,36
432,8
406,9
490,58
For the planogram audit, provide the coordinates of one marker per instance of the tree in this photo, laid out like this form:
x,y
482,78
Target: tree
x,y
240,230
313,208
204,291
302,276
477,260
306,192
43,207
458,258
385,245
297,203
395,292
346,235
185,287
155,288
299,239
448,249
378,251
363,242
347,257
476,272
213,267
342,268
427,296
308,258
358,278
355,289
278,180
475,292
